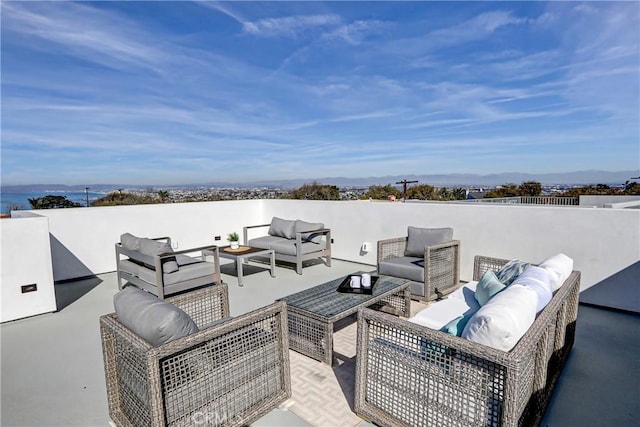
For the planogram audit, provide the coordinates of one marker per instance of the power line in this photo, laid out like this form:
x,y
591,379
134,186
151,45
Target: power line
x,y
404,183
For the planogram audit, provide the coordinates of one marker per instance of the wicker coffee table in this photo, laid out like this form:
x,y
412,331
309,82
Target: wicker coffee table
x,y
312,312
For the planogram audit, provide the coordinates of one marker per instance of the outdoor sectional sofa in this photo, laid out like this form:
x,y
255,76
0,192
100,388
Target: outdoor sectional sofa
x,y
293,241
152,265
412,375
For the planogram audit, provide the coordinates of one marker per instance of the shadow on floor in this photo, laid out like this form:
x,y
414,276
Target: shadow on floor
x,y
69,292
620,291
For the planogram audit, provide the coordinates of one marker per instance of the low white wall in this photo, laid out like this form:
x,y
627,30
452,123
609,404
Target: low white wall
x,y
602,201
83,239
602,242
26,259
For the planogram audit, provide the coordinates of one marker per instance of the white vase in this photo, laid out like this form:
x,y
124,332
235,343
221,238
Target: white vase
x,y
234,245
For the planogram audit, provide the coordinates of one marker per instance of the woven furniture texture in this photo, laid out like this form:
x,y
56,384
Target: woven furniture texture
x,y
313,312
410,375
441,265
229,374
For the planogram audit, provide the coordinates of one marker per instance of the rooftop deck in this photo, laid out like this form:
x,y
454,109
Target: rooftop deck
x,y
51,364
52,372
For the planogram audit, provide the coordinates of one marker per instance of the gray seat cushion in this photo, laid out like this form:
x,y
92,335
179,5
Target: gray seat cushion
x,y
411,268
264,242
418,238
194,270
156,321
288,247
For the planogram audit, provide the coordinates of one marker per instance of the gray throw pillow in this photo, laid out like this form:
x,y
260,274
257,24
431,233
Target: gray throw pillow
x,y
305,228
129,241
282,228
156,321
152,248
418,238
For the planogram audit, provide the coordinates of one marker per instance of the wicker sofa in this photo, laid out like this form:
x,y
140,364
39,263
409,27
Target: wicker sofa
x,y
229,373
293,241
152,265
428,257
411,375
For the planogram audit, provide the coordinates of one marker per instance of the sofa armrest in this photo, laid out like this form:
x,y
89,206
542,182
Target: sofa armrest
x,y
391,248
326,232
245,231
483,263
447,376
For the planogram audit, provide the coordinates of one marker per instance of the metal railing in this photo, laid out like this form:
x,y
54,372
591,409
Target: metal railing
x,y
530,200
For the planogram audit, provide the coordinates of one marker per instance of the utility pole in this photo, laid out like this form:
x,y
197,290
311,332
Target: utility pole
x,y
86,194
404,183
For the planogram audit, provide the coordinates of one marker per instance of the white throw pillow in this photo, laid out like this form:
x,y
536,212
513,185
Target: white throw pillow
x,y
539,280
502,321
559,267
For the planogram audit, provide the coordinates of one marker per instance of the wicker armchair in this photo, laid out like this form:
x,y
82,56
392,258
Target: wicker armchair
x,y
230,373
411,375
440,267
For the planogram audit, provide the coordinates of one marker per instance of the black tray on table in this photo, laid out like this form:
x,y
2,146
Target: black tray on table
x,y
345,286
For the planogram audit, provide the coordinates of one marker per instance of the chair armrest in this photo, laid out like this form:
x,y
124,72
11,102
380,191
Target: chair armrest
x,y
391,248
246,229
271,318
441,269
205,305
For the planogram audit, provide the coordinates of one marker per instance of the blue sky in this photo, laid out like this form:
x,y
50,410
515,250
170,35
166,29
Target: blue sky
x,y
192,92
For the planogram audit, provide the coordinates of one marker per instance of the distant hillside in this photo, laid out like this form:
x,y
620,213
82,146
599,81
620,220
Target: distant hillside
x,y
451,180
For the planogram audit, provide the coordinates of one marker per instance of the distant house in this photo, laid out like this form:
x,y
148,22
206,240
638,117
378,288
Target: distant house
x,y
476,194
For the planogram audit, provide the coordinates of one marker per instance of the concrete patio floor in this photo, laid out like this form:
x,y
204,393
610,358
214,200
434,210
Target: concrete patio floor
x,y
52,373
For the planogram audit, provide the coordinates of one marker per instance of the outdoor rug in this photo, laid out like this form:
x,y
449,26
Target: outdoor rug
x,y
323,395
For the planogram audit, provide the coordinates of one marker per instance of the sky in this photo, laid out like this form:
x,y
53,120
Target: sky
x,y
186,92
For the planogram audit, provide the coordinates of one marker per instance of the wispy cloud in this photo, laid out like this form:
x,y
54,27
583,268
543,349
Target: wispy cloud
x,y
84,32
355,32
476,28
290,26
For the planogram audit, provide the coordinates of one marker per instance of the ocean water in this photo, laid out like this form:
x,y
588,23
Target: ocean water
x,y
22,199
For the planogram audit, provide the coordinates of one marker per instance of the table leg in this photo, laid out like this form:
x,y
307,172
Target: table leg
x,y
239,263
273,263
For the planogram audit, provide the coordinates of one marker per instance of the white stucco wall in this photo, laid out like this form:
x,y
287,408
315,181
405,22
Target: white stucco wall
x,y
83,239
26,259
602,242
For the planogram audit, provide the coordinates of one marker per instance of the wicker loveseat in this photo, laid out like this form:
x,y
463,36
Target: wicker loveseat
x,y
293,241
411,375
229,373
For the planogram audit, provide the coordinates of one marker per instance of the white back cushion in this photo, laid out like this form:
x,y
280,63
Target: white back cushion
x,y
538,279
559,267
502,321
